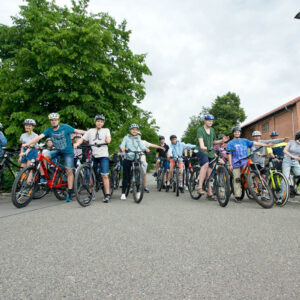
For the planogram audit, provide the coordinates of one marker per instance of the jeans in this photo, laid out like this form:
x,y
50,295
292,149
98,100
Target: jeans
x,y
287,164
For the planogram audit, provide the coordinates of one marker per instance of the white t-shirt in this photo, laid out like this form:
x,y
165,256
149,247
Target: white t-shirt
x,y
147,145
98,136
26,138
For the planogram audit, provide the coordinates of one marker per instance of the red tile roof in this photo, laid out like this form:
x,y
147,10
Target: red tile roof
x,y
272,111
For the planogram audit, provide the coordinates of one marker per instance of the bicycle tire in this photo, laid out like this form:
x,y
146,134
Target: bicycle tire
x,y
162,175
84,180
177,181
193,184
138,184
158,180
249,194
260,190
22,188
61,193
222,186
280,197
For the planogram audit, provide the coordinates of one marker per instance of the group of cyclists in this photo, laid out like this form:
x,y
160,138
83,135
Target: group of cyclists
x,y
63,141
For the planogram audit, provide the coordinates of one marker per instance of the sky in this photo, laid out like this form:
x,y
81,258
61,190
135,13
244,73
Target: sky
x,y
198,50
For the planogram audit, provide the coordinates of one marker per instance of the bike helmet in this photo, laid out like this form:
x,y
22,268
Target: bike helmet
x,y
99,117
77,135
161,137
139,133
1,126
48,139
209,117
256,133
274,133
236,128
29,122
133,126
297,136
173,136
53,116
221,136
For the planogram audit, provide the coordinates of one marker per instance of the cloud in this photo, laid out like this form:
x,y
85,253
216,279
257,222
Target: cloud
x,y
198,50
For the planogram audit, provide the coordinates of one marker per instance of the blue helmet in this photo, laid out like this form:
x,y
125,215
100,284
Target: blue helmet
x,y
209,117
274,133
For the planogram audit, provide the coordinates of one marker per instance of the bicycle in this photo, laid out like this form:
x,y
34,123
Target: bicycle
x,y
27,183
219,178
137,177
176,177
278,184
7,163
252,179
116,170
162,174
86,182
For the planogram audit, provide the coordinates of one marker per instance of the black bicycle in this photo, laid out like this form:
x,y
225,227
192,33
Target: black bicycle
x,y
86,182
115,170
8,166
162,174
219,178
136,177
176,177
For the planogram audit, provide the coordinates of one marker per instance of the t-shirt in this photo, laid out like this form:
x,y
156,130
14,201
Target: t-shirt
x,y
61,138
98,136
26,138
147,145
240,150
163,153
294,148
208,140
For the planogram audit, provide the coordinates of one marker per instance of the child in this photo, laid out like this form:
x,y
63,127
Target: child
x,y
26,153
130,142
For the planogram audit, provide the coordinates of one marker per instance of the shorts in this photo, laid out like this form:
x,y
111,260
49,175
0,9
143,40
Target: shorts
x,y
68,157
144,165
166,163
180,163
101,163
32,154
204,159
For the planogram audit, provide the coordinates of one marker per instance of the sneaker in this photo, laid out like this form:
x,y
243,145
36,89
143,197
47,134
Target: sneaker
x,y
68,199
238,199
123,197
155,174
146,190
106,199
43,180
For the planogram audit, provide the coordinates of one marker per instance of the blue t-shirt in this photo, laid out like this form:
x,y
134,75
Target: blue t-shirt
x,y
61,138
240,148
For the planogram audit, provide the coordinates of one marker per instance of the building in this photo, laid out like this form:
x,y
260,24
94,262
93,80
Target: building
x,y
285,119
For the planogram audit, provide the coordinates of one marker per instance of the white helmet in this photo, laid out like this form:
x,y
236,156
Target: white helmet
x,y
54,116
256,133
29,122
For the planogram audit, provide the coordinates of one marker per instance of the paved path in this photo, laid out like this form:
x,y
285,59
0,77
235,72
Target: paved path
x,y
164,248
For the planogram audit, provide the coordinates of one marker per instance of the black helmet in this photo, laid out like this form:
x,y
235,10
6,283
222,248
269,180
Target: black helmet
x,y
99,117
161,137
173,136
221,136
274,133
297,136
236,128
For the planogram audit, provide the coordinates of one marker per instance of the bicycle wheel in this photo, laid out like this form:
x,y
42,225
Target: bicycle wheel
x,y
23,187
162,175
193,184
260,190
61,179
138,184
41,189
280,188
177,176
116,176
85,185
222,186
158,180
249,194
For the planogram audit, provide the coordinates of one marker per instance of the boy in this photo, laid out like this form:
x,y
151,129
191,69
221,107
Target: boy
x,y
99,135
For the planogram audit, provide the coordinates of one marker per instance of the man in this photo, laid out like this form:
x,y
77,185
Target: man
x,y
238,149
162,154
99,135
206,139
176,151
144,160
3,140
60,136
277,150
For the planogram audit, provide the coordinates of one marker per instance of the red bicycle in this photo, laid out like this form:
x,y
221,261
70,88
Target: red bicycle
x,y
27,184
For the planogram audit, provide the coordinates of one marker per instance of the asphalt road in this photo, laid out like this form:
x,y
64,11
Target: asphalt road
x,y
163,248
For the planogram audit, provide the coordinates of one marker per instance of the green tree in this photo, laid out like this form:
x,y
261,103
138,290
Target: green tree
x,y
227,112
56,59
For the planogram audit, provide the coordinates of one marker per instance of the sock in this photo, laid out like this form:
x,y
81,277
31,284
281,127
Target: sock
x,y
107,195
70,193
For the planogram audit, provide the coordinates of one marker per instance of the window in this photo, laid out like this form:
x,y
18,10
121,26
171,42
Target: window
x,y
266,127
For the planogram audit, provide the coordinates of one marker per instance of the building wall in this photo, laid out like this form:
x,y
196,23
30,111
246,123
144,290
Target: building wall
x,y
281,121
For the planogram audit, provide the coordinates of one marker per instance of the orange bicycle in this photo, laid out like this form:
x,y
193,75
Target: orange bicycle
x,y
27,184
252,180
